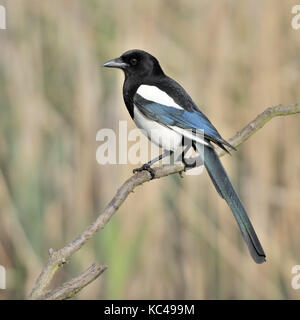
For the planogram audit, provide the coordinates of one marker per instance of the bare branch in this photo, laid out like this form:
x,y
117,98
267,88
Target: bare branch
x,y
72,287
59,257
256,124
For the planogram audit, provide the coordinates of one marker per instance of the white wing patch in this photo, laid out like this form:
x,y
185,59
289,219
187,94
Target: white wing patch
x,y
153,93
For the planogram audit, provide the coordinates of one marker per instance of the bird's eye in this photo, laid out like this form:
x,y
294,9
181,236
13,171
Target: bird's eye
x,y
133,61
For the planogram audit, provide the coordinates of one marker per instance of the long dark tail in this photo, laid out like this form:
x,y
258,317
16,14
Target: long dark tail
x,y
226,190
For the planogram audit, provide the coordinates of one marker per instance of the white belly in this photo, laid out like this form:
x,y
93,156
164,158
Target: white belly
x,y
157,133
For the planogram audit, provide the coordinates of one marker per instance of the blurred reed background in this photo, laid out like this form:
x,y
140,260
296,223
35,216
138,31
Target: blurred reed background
x,y
172,238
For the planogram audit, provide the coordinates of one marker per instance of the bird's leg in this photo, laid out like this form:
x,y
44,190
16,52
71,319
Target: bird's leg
x,y
147,166
191,162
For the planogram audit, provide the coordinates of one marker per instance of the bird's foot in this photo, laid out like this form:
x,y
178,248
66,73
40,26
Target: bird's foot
x,y
145,167
188,164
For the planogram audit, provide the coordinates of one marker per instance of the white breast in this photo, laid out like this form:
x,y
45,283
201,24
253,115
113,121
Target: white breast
x,y
162,136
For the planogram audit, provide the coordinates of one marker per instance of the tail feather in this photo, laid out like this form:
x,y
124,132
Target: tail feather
x,y
226,190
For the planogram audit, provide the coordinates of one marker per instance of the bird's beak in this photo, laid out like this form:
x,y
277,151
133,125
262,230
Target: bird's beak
x,y
115,63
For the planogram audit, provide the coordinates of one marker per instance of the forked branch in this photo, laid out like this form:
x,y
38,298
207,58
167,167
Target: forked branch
x,y
59,257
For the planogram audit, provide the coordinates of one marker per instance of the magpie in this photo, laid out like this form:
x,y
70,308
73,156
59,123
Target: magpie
x,y
164,110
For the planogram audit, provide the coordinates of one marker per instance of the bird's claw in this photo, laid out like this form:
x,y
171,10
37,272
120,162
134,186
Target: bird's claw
x,y
188,165
145,167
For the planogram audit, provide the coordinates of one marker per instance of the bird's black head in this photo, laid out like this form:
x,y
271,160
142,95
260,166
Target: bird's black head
x,y
136,63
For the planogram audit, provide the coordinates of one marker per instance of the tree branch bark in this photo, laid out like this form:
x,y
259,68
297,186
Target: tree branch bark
x,y
72,287
58,258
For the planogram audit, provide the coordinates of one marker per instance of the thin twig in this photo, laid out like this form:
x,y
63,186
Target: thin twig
x,y
68,289
256,124
59,257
